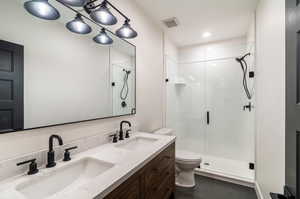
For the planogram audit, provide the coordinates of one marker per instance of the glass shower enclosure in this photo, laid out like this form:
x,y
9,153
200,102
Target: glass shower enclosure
x,y
205,107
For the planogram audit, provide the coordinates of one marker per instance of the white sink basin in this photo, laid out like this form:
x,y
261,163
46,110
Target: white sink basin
x,y
64,179
137,143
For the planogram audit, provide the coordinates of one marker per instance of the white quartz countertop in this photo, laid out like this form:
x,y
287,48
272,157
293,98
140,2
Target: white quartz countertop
x,y
126,162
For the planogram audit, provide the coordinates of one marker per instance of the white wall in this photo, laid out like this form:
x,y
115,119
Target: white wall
x,y
212,50
149,57
170,49
270,88
171,57
149,115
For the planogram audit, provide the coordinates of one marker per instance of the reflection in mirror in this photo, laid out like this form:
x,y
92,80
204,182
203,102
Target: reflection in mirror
x,y
67,76
123,73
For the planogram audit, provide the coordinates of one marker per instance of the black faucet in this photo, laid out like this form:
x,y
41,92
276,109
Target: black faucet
x,y
121,135
51,153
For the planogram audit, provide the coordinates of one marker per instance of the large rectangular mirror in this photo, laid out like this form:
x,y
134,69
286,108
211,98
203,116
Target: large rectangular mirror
x,y
51,76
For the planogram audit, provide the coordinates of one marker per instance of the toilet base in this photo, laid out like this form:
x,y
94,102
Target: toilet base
x,y
185,186
186,178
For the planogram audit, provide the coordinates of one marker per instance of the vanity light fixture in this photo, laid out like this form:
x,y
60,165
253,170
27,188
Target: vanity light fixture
x,y
99,13
103,15
103,38
42,9
74,3
78,26
126,31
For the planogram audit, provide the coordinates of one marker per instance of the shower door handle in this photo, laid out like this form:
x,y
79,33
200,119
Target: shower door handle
x,y
207,118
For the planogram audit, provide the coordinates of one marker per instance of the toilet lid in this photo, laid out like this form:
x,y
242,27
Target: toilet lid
x,y
187,156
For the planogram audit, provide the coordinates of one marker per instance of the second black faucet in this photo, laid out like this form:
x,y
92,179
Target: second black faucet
x,y
51,153
121,133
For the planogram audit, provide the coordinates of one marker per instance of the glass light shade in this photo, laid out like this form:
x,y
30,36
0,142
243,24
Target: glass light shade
x,y
103,38
103,16
126,31
42,9
74,3
78,26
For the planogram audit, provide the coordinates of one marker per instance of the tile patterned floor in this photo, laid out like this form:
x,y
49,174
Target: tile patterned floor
x,y
208,188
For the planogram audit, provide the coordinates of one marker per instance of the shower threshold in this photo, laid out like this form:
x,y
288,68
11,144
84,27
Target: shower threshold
x,y
233,171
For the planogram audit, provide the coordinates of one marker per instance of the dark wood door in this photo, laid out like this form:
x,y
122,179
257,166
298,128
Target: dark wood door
x,y
11,87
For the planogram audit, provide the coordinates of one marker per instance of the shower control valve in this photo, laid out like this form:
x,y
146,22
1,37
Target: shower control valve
x,y
248,106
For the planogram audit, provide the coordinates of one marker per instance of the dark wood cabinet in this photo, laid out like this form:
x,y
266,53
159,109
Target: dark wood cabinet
x,y
131,189
156,180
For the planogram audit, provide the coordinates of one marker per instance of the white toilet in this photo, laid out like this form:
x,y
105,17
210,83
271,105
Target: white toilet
x,y
186,162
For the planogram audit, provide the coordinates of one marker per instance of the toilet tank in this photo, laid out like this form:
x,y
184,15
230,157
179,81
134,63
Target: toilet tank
x,y
164,131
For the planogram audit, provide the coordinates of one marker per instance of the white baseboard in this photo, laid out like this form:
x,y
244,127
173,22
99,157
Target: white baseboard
x,y
258,191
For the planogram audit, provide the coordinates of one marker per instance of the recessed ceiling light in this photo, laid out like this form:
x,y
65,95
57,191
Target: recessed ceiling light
x,y
206,34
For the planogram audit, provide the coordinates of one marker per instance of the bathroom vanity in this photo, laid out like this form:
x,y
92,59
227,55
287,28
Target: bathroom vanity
x,y
139,167
155,180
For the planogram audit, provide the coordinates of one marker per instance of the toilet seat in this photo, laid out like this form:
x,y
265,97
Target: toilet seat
x,y
187,156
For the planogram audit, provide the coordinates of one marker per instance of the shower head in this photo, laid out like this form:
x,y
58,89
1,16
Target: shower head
x,y
239,59
126,71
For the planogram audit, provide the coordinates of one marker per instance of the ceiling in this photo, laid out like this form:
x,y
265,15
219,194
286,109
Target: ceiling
x,y
224,19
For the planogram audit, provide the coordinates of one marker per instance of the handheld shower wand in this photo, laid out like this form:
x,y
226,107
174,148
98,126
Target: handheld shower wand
x,y
244,67
125,88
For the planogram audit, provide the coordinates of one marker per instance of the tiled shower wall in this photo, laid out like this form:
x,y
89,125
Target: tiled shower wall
x,y
207,78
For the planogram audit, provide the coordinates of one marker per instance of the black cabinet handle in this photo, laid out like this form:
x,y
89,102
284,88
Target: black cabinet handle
x,y
207,118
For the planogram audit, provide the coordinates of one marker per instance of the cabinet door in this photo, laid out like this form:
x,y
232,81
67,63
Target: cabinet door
x,y
130,189
166,189
159,175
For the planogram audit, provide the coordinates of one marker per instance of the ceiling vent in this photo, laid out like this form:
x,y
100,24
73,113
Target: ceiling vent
x,y
171,22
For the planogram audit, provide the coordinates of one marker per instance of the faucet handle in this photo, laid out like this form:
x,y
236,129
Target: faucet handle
x,y
115,137
127,135
67,155
32,166
71,148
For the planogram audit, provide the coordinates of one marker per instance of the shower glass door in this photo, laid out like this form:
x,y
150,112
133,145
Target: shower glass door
x,y
195,89
229,143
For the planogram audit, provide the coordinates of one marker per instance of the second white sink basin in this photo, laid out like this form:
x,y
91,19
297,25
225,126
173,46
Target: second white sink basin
x,y
63,179
137,143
